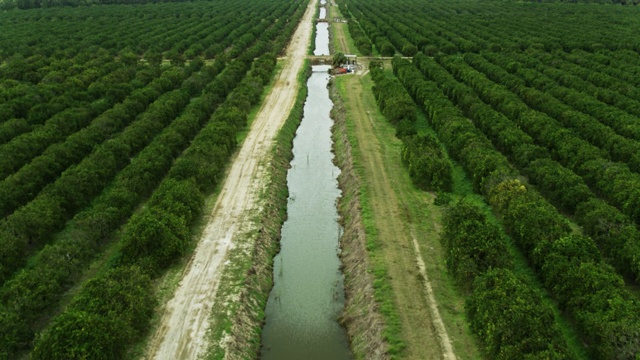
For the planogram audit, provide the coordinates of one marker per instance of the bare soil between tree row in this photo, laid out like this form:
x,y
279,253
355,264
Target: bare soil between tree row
x,y
185,320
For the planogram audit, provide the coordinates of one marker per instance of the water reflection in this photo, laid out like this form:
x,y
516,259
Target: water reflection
x,y
308,295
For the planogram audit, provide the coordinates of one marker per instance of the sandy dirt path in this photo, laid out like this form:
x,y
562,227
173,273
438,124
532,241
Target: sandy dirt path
x,y
339,34
182,331
423,329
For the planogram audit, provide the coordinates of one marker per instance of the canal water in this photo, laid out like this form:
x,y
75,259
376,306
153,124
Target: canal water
x,y
322,34
308,295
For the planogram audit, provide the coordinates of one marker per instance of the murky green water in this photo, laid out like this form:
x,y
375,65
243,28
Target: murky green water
x,y
308,296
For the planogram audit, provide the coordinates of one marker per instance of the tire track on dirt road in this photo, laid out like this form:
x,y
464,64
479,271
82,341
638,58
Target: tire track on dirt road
x,y
185,320
422,326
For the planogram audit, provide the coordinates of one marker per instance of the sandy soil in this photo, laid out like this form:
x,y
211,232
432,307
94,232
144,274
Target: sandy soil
x,y
182,332
423,329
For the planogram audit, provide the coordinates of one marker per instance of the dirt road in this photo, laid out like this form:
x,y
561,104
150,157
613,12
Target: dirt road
x,y
423,330
338,29
181,334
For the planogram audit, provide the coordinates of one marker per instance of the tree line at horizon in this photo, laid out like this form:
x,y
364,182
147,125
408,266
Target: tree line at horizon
x,y
8,5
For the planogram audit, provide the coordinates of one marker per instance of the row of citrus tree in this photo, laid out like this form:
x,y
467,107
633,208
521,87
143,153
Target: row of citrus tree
x,y
570,266
174,151
598,104
521,141
579,171
565,152
205,29
35,201
520,325
450,28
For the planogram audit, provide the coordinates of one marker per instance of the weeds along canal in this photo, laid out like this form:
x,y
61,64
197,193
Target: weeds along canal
x,y
308,295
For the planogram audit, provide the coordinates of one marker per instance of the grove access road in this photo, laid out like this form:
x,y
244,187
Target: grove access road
x,y
392,200
185,320
423,330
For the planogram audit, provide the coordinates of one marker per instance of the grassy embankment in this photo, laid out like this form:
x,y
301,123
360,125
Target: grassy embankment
x,y
237,316
404,307
390,223
312,43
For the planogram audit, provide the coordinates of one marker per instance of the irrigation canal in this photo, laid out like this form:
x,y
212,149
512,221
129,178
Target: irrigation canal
x,y
308,294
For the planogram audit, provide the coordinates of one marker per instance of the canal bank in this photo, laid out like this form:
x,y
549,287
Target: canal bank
x,y
243,335
361,316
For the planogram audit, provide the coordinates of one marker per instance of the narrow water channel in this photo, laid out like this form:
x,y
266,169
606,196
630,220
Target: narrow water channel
x,y
308,294
322,33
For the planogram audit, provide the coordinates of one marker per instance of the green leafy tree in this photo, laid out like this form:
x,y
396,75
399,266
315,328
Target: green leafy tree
x,y
428,166
128,57
176,58
409,50
338,59
124,293
474,244
153,57
386,49
82,335
512,320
